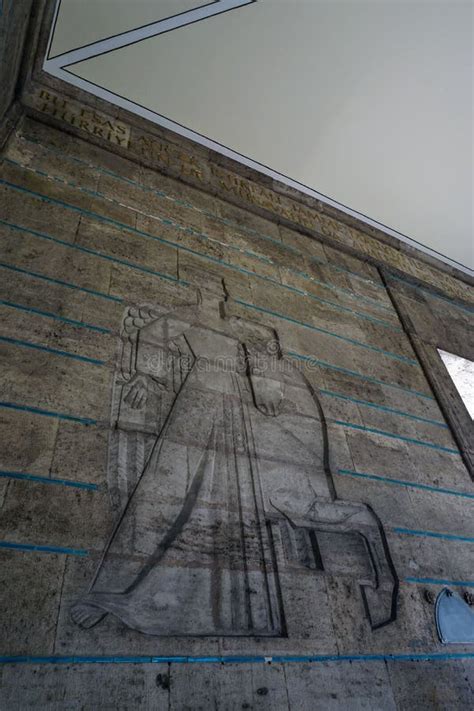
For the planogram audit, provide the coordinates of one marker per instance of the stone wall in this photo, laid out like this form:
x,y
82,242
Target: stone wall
x,y
433,323
14,17
88,236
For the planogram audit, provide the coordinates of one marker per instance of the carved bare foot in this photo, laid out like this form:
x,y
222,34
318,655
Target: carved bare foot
x,y
86,615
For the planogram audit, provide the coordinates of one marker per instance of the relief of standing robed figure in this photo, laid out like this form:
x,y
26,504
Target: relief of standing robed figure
x,y
216,438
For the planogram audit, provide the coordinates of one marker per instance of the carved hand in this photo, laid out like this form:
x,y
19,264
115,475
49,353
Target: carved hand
x,y
267,394
137,395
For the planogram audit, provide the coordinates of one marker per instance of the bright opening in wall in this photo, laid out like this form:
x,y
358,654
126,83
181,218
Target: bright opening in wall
x,y
461,371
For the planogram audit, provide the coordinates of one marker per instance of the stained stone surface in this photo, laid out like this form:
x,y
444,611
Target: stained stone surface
x,y
13,26
229,443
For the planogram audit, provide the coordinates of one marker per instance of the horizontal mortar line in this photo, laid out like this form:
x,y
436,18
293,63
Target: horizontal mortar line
x,y
184,203
432,534
134,230
282,285
255,233
163,220
339,307
354,296
93,252
47,413
326,285
302,293
450,301
440,581
42,549
384,408
242,228
352,341
89,421
56,317
173,279
177,245
54,351
410,440
243,303
158,193
303,275
290,353
241,659
355,374
59,282
403,482
37,478
42,235
189,230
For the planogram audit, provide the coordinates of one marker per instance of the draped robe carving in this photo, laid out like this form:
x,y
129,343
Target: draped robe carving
x,y
216,440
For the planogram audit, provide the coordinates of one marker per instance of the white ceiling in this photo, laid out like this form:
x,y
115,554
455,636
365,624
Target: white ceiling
x,y
80,22
368,102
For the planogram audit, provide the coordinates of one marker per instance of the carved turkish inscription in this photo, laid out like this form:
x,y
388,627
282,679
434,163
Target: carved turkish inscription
x,y
216,439
94,122
167,157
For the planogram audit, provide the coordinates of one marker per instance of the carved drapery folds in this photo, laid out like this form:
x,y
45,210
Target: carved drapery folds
x,y
218,456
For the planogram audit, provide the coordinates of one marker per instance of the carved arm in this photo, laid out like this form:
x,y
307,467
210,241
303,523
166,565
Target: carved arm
x,y
379,591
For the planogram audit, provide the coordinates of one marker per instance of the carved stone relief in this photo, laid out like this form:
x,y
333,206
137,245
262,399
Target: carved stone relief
x,y
216,439
94,122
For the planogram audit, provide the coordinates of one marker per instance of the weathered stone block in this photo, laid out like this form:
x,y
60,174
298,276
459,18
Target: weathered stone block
x,y
303,244
54,161
412,403
29,211
358,266
431,684
407,427
444,513
27,442
137,287
246,220
80,453
334,686
30,595
53,332
77,151
237,283
54,382
231,687
88,686
429,557
130,247
61,515
39,255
